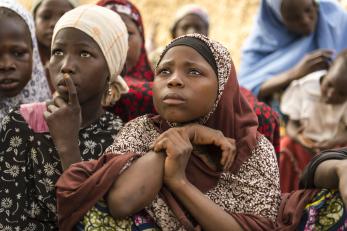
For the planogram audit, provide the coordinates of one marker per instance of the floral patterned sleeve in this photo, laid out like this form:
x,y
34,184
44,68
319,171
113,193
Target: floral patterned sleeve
x,y
14,135
134,137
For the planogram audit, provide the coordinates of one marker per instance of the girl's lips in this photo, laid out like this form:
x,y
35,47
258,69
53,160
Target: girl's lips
x,y
9,84
173,99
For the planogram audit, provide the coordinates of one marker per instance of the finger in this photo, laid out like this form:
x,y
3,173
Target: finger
x,y
230,155
46,114
73,98
228,163
160,145
49,102
322,52
320,64
52,108
226,145
60,102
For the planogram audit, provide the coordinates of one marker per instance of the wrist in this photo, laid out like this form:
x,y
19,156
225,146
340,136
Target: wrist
x,y
177,184
340,168
67,147
293,74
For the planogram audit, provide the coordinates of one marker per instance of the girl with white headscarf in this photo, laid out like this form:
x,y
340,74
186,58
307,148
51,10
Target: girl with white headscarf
x,y
30,163
37,88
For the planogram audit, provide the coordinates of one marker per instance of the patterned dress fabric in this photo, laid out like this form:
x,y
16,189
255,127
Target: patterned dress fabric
x,y
30,167
326,211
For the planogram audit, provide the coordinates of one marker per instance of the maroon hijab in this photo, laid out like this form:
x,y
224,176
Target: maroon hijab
x,y
231,113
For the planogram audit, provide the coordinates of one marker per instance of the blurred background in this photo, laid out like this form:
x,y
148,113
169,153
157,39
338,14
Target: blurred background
x,y
231,20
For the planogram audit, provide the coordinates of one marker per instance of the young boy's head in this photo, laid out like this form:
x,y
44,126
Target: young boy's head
x,y
16,52
46,14
334,84
190,19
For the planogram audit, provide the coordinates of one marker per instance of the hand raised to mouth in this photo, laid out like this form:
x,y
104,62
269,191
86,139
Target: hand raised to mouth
x,y
64,118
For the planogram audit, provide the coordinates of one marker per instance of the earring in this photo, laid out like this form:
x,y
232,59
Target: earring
x,y
109,91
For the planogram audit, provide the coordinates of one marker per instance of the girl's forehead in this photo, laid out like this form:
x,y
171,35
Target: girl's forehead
x,y
14,28
75,36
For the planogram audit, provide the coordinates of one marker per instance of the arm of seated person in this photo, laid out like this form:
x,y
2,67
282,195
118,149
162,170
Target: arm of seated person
x,y
314,61
137,186
276,84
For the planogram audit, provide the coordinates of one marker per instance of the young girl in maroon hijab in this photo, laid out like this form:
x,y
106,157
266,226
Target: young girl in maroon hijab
x,y
199,164
138,74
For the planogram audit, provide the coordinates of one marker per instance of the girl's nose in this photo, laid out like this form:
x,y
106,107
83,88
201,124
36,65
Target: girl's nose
x,y
6,63
68,66
175,80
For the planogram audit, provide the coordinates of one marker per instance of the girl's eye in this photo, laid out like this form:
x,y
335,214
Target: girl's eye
x,y
194,72
85,54
163,71
57,52
45,17
19,53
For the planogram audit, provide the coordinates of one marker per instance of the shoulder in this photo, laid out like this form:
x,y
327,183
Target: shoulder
x,y
304,88
14,128
143,123
310,83
12,119
136,136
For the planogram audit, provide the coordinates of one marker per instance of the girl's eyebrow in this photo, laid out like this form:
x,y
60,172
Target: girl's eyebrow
x,y
81,43
169,62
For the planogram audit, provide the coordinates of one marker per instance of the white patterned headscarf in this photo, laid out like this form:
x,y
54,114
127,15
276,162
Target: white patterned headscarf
x,y
109,32
37,88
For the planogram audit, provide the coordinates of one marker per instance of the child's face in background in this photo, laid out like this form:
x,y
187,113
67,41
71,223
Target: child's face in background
x,y
16,54
190,24
46,16
300,16
333,86
185,85
77,54
135,42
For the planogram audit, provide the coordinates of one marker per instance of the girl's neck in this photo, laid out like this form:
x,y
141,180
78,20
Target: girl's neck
x,y
45,53
91,111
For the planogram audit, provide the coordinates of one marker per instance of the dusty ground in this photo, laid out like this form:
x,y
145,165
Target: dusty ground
x,y
231,20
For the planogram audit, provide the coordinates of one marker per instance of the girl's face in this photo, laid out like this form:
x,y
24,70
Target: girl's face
x,y
135,42
190,24
77,54
333,85
300,16
185,85
16,54
46,16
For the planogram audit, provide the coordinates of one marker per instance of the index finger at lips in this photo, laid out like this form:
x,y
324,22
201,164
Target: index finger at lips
x,y
73,98
59,101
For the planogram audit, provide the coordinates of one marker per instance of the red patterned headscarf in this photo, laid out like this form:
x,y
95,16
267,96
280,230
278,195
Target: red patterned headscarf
x,y
142,70
138,101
